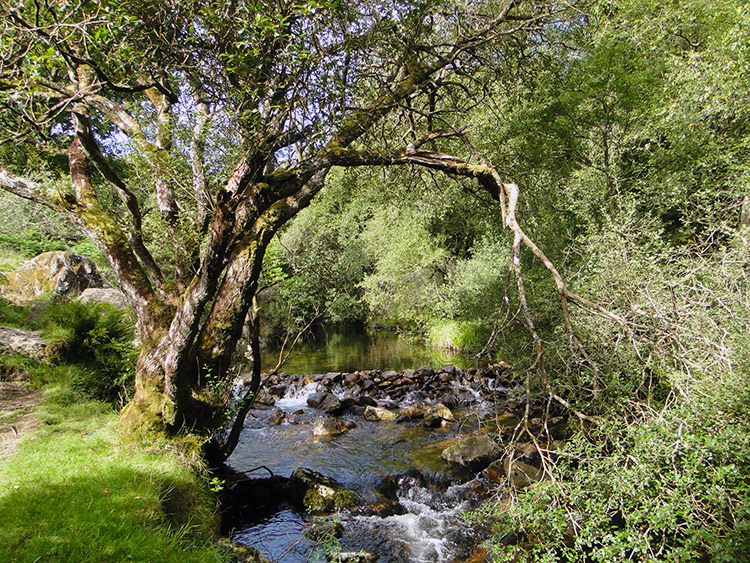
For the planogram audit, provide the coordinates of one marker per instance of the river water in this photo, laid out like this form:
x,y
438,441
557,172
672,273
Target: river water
x,y
432,529
349,351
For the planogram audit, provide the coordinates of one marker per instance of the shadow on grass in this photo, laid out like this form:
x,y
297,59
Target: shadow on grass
x,y
118,515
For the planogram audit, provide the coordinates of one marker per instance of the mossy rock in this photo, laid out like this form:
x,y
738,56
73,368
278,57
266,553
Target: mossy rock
x,y
57,273
318,493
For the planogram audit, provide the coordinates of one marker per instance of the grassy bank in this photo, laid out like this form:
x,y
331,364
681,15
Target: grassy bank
x,y
75,492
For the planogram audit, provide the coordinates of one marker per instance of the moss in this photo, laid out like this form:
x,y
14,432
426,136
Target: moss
x,y
325,499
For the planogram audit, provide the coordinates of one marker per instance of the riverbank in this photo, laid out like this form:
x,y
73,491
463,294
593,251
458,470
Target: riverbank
x,y
75,491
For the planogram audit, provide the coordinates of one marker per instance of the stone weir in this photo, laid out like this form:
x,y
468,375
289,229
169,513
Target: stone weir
x,y
391,394
467,417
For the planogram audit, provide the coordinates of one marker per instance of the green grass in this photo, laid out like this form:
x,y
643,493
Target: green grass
x,y
10,259
457,336
75,492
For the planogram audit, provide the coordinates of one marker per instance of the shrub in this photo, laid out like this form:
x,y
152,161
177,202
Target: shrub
x,y
98,339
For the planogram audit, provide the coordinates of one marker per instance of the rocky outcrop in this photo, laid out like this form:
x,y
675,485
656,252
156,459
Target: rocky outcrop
x,y
26,343
113,297
472,452
59,273
318,493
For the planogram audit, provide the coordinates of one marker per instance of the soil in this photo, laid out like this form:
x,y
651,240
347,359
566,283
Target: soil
x,y
17,402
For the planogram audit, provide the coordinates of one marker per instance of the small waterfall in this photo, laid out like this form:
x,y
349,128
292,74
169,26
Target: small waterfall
x,y
429,532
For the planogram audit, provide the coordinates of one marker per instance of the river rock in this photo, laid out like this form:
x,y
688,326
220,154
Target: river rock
x,y
452,370
378,414
326,401
368,386
278,391
351,379
60,273
438,415
321,531
277,417
264,398
451,400
317,492
521,475
16,341
352,557
327,427
365,401
444,377
392,485
113,297
417,410
382,509
473,452
495,471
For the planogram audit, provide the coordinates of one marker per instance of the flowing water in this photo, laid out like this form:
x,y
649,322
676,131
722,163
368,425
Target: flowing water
x,y
432,529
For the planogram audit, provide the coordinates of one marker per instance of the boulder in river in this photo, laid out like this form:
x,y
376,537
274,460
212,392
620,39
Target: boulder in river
x,y
326,401
264,398
377,414
322,531
326,427
438,415
472,452
277,417
521,475
317,492
60,273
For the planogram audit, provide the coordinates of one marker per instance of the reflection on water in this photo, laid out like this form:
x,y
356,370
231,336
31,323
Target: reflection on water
x,y
357,349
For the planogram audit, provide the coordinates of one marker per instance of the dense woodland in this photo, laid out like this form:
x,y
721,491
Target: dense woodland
x,y
564,186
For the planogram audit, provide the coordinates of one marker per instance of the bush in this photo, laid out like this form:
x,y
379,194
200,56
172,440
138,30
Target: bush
x,y
458,336
98,340
674,487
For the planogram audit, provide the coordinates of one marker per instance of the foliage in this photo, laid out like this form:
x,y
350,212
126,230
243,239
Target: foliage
x,y
13,315
667,486
194,132
408,257
98,340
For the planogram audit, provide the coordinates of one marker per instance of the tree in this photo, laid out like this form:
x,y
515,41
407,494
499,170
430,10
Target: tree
x,y
235,113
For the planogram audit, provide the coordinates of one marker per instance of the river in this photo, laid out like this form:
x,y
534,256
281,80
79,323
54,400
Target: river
x,y
431,529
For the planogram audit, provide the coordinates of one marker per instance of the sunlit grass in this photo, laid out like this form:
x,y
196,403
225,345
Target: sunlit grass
x,y
75,492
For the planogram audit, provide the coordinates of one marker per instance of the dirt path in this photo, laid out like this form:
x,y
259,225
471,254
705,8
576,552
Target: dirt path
x,y
17,401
